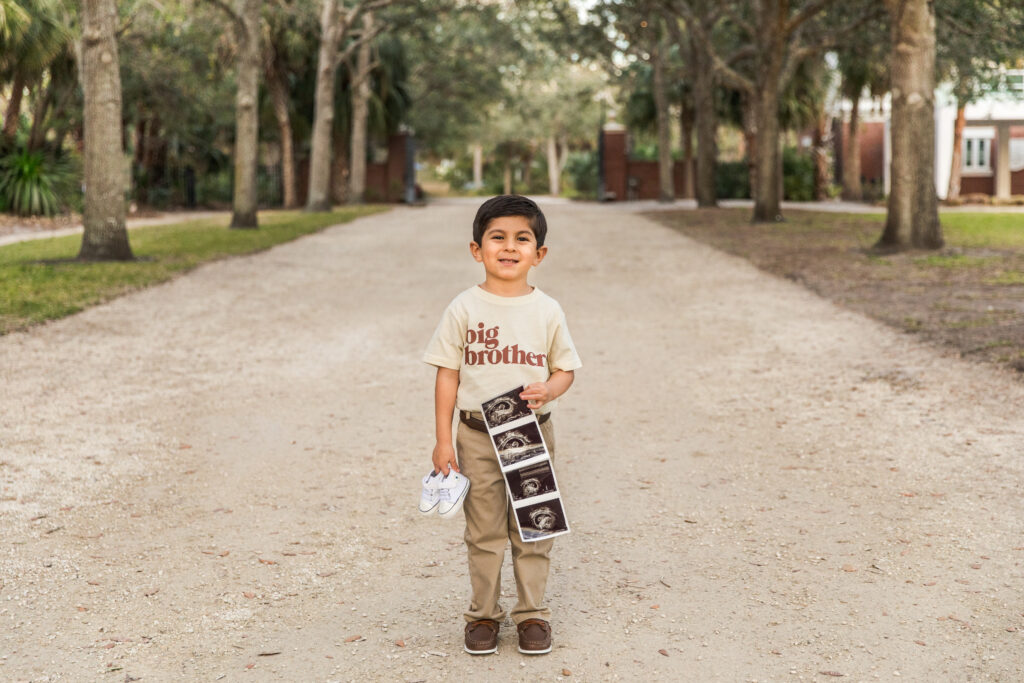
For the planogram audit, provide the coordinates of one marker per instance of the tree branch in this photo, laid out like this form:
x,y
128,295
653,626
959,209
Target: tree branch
x,y
809,11
236,19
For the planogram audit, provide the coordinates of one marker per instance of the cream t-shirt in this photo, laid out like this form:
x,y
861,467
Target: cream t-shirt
x,y
498,342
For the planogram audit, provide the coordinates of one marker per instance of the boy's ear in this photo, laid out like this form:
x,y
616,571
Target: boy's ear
x,y
541,253
474,249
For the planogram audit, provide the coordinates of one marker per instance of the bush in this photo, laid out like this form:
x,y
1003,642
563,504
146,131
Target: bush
x,y
35,183
732,180
581,167
797,176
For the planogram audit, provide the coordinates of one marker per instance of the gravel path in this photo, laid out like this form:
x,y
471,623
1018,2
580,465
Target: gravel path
x,y
216,478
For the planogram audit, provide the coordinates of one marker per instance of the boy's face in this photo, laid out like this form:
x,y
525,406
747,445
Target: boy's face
x,y
508,249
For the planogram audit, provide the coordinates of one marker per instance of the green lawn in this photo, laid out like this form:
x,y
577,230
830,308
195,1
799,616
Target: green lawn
x,y
39,280
994,230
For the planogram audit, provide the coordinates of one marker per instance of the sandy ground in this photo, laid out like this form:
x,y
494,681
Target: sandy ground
x,y
216,478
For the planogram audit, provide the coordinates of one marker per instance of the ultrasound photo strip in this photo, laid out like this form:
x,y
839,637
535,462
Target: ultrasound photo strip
x,y
526,465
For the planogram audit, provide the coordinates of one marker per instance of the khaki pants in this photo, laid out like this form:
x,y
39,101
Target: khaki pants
x,y
490,525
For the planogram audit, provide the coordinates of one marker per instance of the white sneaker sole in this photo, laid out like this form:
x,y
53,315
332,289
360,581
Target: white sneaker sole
x,y
481,652
430,509
456,506
535,652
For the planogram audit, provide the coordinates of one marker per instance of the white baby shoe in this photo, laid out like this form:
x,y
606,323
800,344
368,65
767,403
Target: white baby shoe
x,y
430,497
453,490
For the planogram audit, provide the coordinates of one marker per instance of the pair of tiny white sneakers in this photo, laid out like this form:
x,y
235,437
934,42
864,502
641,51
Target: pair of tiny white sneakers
x,y
443,494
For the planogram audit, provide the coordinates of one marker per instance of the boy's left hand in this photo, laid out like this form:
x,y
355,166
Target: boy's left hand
x,y
536,395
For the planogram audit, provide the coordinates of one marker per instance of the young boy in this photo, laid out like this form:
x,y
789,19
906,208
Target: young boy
x,y
492,337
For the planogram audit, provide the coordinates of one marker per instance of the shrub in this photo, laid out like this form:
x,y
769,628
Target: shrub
x,y
797,176
732,180
581,168
34,183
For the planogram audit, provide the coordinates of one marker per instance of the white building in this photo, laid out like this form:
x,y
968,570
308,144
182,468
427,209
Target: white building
x,y
993,142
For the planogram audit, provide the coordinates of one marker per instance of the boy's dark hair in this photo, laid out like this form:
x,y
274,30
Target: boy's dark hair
x,y
510,205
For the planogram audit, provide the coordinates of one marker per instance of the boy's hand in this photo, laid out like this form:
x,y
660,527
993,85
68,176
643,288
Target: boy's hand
x,y
444,459
536,395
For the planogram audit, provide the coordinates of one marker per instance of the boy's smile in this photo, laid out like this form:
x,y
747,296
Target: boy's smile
x,y
508,250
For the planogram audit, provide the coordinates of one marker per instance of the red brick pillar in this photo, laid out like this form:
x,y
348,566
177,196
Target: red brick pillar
x,y
615,170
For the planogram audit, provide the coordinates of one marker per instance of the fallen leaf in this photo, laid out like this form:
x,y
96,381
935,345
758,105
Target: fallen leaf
x,y
831,673
1011,629
262,561
908,494
109,646
849,568
184,447
352,639
663,652
225,553
249,666
655,606
920,642
975,566
400,643
82,609
93,583
566,672
249,594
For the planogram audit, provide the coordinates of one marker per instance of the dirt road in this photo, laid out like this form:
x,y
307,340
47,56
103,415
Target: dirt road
x,y
216,478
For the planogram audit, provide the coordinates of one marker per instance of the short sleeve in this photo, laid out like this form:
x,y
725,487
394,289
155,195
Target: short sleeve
x,y
562,353
446,346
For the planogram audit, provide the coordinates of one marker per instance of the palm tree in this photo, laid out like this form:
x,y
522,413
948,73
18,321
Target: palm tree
x,y
31,36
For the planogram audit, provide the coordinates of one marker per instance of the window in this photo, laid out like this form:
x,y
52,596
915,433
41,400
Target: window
x,y
1015,83
976,154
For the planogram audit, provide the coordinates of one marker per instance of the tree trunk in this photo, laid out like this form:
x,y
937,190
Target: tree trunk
x,y
913,215
956,166
507,176
686,137
852,189
706,119
247,117
105,236
279,98
323,110
12,117
478,166
666,189
360,115
767,159
340,166
821,175
528,167
554,171
750,141
37,134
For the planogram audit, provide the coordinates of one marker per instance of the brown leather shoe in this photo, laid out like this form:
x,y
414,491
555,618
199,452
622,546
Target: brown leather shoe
x,y
534,637
482,637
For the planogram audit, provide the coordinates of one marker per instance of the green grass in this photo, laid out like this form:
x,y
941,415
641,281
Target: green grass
x,y
1010,277
951,261
39,280
995,230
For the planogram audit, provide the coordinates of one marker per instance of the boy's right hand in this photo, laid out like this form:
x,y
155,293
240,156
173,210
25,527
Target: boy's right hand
x,y
444,459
